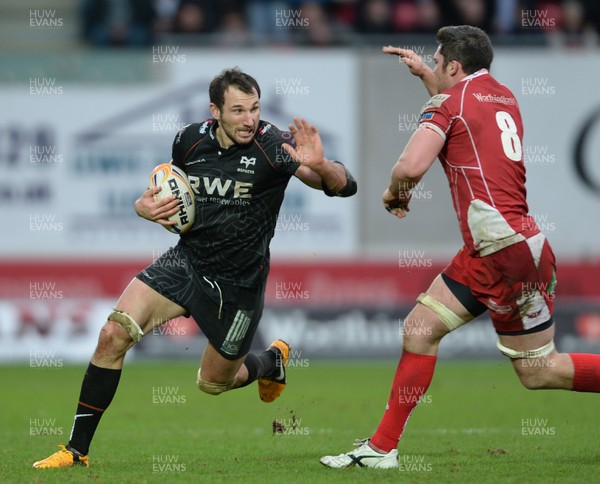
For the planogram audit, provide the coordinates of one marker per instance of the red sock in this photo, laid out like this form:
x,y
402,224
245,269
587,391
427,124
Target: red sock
x,y
587,372
411,381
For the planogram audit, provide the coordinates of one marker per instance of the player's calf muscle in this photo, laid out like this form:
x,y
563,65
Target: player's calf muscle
x,y
531,379
554,371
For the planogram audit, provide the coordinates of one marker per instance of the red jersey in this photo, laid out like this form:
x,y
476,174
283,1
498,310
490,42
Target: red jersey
x,y
482,156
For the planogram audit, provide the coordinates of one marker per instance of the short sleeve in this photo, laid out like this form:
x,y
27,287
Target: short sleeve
x,y
179,148
436,114
271,141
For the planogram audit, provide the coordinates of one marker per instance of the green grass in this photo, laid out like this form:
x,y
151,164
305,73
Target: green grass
x,y
469,429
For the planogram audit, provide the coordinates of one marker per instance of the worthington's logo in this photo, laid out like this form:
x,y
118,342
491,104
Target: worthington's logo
x,y
490,98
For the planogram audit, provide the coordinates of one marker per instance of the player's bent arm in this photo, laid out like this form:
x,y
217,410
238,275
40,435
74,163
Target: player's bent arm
x,y
428,80
308,177
420,152
156,211
315,169
333,178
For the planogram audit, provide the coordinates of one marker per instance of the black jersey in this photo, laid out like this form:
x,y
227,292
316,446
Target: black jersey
x,y
238,192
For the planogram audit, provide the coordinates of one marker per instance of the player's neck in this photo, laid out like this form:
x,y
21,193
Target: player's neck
x,y
222,138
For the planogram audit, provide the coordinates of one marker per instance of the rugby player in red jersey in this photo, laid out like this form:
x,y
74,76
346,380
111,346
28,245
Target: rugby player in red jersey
x,y
472,123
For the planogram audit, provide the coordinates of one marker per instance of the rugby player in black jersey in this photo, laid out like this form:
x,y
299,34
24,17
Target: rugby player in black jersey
x,y
239,167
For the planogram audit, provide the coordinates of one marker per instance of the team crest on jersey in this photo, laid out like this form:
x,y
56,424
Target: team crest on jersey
x,y
247,162
436,101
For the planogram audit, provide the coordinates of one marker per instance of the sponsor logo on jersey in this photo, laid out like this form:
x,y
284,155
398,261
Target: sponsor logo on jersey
x,y
436,101
204,127
178,137
492,98
265,128
493,306
533,315
201,160
426,116
209,186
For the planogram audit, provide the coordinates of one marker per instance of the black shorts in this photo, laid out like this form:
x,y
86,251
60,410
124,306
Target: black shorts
x,y
227,315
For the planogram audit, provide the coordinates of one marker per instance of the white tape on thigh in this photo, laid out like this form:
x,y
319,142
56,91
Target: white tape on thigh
x,y
128,323
539,353
449,318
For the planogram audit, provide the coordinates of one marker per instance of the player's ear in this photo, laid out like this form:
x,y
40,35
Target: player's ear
x,y
215,111
455,67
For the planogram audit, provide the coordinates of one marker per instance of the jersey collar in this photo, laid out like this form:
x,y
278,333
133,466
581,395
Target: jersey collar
x,y
480,72
212,132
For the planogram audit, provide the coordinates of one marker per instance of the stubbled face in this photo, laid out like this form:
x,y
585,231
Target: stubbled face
x,y
443,75
238,118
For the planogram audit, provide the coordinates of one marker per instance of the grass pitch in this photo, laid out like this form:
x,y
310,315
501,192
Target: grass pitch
x,y
475,424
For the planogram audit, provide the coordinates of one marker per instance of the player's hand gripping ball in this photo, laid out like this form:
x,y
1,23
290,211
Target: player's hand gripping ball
x,y
174,181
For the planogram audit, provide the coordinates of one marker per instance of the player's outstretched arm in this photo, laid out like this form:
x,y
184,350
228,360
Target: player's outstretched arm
x,y
315,169
416,65
156,211
419,154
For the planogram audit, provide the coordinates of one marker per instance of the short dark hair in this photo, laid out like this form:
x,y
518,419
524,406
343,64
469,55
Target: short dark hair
x,y
231,77
469,45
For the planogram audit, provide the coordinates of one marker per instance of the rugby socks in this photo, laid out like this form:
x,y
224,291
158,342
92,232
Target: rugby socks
x,y
97,391
411,381
587,372
259,365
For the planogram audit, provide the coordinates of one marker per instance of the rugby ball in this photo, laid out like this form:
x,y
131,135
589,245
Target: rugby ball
x,y
174,181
